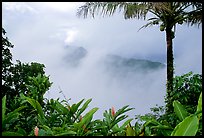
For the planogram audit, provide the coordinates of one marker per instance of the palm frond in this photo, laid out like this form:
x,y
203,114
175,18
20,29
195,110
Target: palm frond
x,y
195,16
135,10
154,22
169,13
131,9
104,8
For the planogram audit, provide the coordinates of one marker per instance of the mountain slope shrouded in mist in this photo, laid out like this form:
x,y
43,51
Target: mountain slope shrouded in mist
x,y
115,63
74,55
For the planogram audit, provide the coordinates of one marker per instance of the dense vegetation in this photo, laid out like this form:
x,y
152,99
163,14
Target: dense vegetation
x,y
25,112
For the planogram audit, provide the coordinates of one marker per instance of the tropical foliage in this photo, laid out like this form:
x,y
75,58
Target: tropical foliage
x,y
70,120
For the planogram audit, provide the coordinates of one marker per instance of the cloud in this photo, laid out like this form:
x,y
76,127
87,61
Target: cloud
x,y
70,36
62,6
21,7
187,50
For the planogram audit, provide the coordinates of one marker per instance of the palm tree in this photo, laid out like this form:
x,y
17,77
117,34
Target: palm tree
x,y
165,14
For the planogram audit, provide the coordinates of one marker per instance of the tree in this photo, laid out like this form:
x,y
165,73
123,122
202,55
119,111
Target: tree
x,y
165,14
187,89
6,60
22,78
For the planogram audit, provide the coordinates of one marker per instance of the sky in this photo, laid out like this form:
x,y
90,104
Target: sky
x,y
42,31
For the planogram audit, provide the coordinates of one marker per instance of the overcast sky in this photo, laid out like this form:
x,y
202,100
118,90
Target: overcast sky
x,y
41,32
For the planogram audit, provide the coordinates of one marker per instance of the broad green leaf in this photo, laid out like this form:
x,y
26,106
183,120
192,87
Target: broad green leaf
x,y
9,119
147,131
46,127
118,120
126,123
3,107
107,117
58,109
83,107
137,129
151,122
122,110
75,107
35,105
199,107
8,133
161,127
130,131
12,115
41,120
166,132
63,109
66,133
86,118
115,129
188,127
21,131
48,130
42,132
179,110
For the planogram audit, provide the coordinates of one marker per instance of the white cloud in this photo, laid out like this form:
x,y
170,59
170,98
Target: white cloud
x,y
21,7
71,36
62,6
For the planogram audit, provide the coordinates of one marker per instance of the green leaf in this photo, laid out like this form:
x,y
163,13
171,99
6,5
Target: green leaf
x,y
36,105
8,133
199,107
188,127
164,129
75,107
179,110
151,122
126,123
161,127
166,132
116,129
137,129
63,109
46,127
87,118
21,131
48,130
42,132
147,131
83,107
41,119
12,115
118,120
66,133
122,110
107,119
3,107
130,131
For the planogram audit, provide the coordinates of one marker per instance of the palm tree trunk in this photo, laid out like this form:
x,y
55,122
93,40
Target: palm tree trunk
x,y
170,67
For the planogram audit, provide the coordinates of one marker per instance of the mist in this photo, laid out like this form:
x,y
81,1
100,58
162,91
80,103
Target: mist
x,y
91,79
48,34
